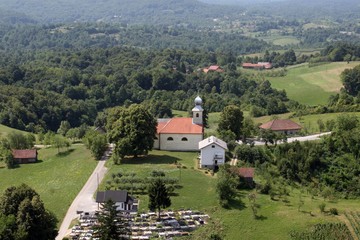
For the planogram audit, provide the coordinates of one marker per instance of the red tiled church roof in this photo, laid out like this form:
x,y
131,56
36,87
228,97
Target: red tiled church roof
x,y
180,126
28,153
281,125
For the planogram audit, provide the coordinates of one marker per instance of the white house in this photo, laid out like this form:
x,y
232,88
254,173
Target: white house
x,y
123,201
181,134
212,152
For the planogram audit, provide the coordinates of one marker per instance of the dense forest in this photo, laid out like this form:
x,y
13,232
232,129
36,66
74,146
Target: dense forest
x,y
75,85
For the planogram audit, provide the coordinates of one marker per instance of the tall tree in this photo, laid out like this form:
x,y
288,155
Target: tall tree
x,y
158,195
96,142
225,186
231,119
133,130
110,223
33,221
351,80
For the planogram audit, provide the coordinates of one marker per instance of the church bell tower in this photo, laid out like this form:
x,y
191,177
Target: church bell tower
x,y
198,111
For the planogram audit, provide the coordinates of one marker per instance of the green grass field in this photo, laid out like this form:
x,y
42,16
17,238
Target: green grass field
x,y
276,218
56,177
4,130
312,86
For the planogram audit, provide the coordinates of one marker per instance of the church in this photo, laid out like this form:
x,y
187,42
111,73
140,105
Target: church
x,y
181,134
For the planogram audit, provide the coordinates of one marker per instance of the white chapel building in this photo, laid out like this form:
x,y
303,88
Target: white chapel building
x,y
212,152
181,134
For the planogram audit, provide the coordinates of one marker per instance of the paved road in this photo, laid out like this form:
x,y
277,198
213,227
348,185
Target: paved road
x,y
300,139
84,201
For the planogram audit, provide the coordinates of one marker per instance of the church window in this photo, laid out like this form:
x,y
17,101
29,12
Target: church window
x,y
170,139
213,146
184,139
197,115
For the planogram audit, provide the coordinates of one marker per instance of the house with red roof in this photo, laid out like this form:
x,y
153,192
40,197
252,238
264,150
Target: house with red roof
x,y
181,134
24,156
246,176
213,68
282,126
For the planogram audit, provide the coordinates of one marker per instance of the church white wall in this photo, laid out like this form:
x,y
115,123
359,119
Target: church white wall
x,y
208,153
156,142
176,144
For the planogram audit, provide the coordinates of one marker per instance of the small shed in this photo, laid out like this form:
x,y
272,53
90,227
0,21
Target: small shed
x,y
246,176
282,126
123,201
212,152
25,156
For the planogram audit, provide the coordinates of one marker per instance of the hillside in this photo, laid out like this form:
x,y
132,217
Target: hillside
x,y
312,85
124,11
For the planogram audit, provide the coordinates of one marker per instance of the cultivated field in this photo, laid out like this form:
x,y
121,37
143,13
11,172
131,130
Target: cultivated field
x,y
312,85
56,177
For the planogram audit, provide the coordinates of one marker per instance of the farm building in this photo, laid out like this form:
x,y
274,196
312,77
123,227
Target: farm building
x,y
282,126
259,65
212,152
181,134
123,201
25,156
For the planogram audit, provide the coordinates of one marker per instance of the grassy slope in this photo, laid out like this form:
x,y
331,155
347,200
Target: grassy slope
x,y
277,218
57,178
4,130
314,85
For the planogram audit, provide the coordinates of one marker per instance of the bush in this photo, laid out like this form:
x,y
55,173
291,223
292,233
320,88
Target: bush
x,y
334,211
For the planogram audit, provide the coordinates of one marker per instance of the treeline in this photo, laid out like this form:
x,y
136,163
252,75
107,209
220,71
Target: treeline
x,y
76,85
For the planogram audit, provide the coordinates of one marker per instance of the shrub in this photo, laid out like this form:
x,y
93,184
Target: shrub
x,y
334,211
322,207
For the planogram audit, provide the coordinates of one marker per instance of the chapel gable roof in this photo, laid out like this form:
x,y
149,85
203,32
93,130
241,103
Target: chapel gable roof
x,y
179,126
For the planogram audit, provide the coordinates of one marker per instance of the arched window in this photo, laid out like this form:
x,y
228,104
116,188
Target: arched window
x,y
184,139
170,139
155,138
197,115
213,146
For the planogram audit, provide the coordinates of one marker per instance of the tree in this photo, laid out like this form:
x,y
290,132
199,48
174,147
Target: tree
x,y
158,195
59,142
96,142
64,128
32,220
19,140
254,206
111,225
351,80
231,118
225,186
133,130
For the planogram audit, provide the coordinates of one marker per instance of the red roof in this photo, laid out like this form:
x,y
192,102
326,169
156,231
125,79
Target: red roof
x,y
214,67
179,125
246,172
28,153
281,125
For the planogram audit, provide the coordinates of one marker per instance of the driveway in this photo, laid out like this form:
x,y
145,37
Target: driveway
x,y
84,201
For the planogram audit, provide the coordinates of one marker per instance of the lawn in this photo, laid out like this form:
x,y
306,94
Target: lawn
x,y
276,218
56,177
312,85
4,130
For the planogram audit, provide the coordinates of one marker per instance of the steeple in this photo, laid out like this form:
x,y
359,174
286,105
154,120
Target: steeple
x,y
198,111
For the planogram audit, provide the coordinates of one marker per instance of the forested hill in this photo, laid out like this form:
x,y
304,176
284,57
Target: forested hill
x,y
164,12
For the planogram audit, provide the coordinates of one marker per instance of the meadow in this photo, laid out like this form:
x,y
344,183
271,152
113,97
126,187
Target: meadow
x,y
275,218
312,85
57,177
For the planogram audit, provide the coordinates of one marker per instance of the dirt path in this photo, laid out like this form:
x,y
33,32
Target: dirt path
x,y
84,201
